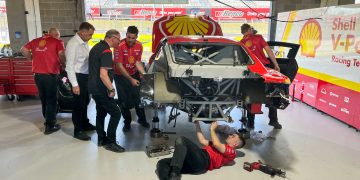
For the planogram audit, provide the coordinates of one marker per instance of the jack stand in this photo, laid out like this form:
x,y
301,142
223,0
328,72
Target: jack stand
x,y
155,132
243,131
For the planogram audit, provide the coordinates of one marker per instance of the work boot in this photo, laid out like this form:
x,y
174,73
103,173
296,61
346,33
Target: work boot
x,y
89,127
81,135
51,129
102,141
114,147
126,128
144,124
275,124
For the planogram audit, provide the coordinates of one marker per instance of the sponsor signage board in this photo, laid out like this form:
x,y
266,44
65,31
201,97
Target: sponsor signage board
x,y
330,45
240,13
216,13
337,101
329,52
2,9
153,1
156,12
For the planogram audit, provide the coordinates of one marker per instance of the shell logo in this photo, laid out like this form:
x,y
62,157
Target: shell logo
x,y
310,38
42,44
184,25
248,44
131,59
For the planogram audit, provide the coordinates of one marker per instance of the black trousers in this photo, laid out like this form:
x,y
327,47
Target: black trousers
x,y
47,87
272,110
104,106
81,102
272,115
188,157
129,97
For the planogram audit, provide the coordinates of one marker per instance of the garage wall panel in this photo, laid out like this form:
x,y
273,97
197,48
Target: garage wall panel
x,y
66,15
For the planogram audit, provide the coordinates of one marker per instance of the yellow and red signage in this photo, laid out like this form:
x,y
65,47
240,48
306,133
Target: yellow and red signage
x,y
329,58
310,38
183,25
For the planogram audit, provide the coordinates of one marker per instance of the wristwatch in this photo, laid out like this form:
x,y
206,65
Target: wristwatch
x,y
111,90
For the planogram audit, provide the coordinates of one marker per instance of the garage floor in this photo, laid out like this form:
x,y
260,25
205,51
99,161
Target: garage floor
x,y
310,146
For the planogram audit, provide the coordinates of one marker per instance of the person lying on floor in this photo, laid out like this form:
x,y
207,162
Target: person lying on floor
x,y
188,158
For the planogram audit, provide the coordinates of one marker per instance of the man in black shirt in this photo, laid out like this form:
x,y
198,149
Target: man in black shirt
x,y
101,75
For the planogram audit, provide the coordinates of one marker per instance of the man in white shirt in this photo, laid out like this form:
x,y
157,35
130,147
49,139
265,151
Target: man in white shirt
x,y
77,68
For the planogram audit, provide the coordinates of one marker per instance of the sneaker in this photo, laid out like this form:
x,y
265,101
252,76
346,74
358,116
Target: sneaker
x,y
81,135
114,147
51,129
144,124
275,124
126,128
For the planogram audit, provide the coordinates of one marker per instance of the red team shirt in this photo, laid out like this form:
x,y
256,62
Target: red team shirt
x,y
128,56
45,50
256,43
218,159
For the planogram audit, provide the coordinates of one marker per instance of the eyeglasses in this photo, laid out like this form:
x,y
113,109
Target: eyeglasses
x,y
116,38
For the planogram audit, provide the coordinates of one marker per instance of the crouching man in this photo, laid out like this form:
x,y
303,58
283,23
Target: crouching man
x,y
188,158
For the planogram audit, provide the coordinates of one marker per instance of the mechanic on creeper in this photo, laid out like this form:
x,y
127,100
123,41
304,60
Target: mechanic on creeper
x,y
256,45
190,158
128,73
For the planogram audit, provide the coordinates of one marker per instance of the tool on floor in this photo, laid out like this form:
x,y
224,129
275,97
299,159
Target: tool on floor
x,y
158,150
267,169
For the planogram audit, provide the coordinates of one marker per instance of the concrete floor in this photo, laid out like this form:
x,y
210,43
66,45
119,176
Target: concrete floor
x,y
310,146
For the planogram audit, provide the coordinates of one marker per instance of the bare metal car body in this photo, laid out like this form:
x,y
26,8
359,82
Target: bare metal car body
x,y
208,76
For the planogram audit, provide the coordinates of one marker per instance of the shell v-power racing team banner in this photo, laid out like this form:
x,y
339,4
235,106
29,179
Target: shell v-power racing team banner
x,y
329,58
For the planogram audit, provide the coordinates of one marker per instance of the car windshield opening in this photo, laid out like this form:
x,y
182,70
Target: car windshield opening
x,y
207,53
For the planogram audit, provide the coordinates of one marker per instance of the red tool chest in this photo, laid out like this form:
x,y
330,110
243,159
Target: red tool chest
x,y
22,77
4,76
16,78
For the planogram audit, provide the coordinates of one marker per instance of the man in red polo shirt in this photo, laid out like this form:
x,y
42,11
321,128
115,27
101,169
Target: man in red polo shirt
x,y
257,45
128,72
47,54
188,158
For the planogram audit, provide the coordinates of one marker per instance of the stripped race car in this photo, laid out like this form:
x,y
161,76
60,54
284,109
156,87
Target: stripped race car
x,y
208,76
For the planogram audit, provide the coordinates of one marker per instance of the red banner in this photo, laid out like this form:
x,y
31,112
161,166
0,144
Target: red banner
x,y
156,12
337,101
334,100
95,11
2,9
114,11
240,13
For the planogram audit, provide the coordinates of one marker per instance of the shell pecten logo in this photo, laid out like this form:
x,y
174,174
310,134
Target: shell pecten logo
x,y
185,25
310,38
42,43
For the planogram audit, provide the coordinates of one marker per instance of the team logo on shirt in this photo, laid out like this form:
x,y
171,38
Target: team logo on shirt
x,y
248,44
42,44
131,59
